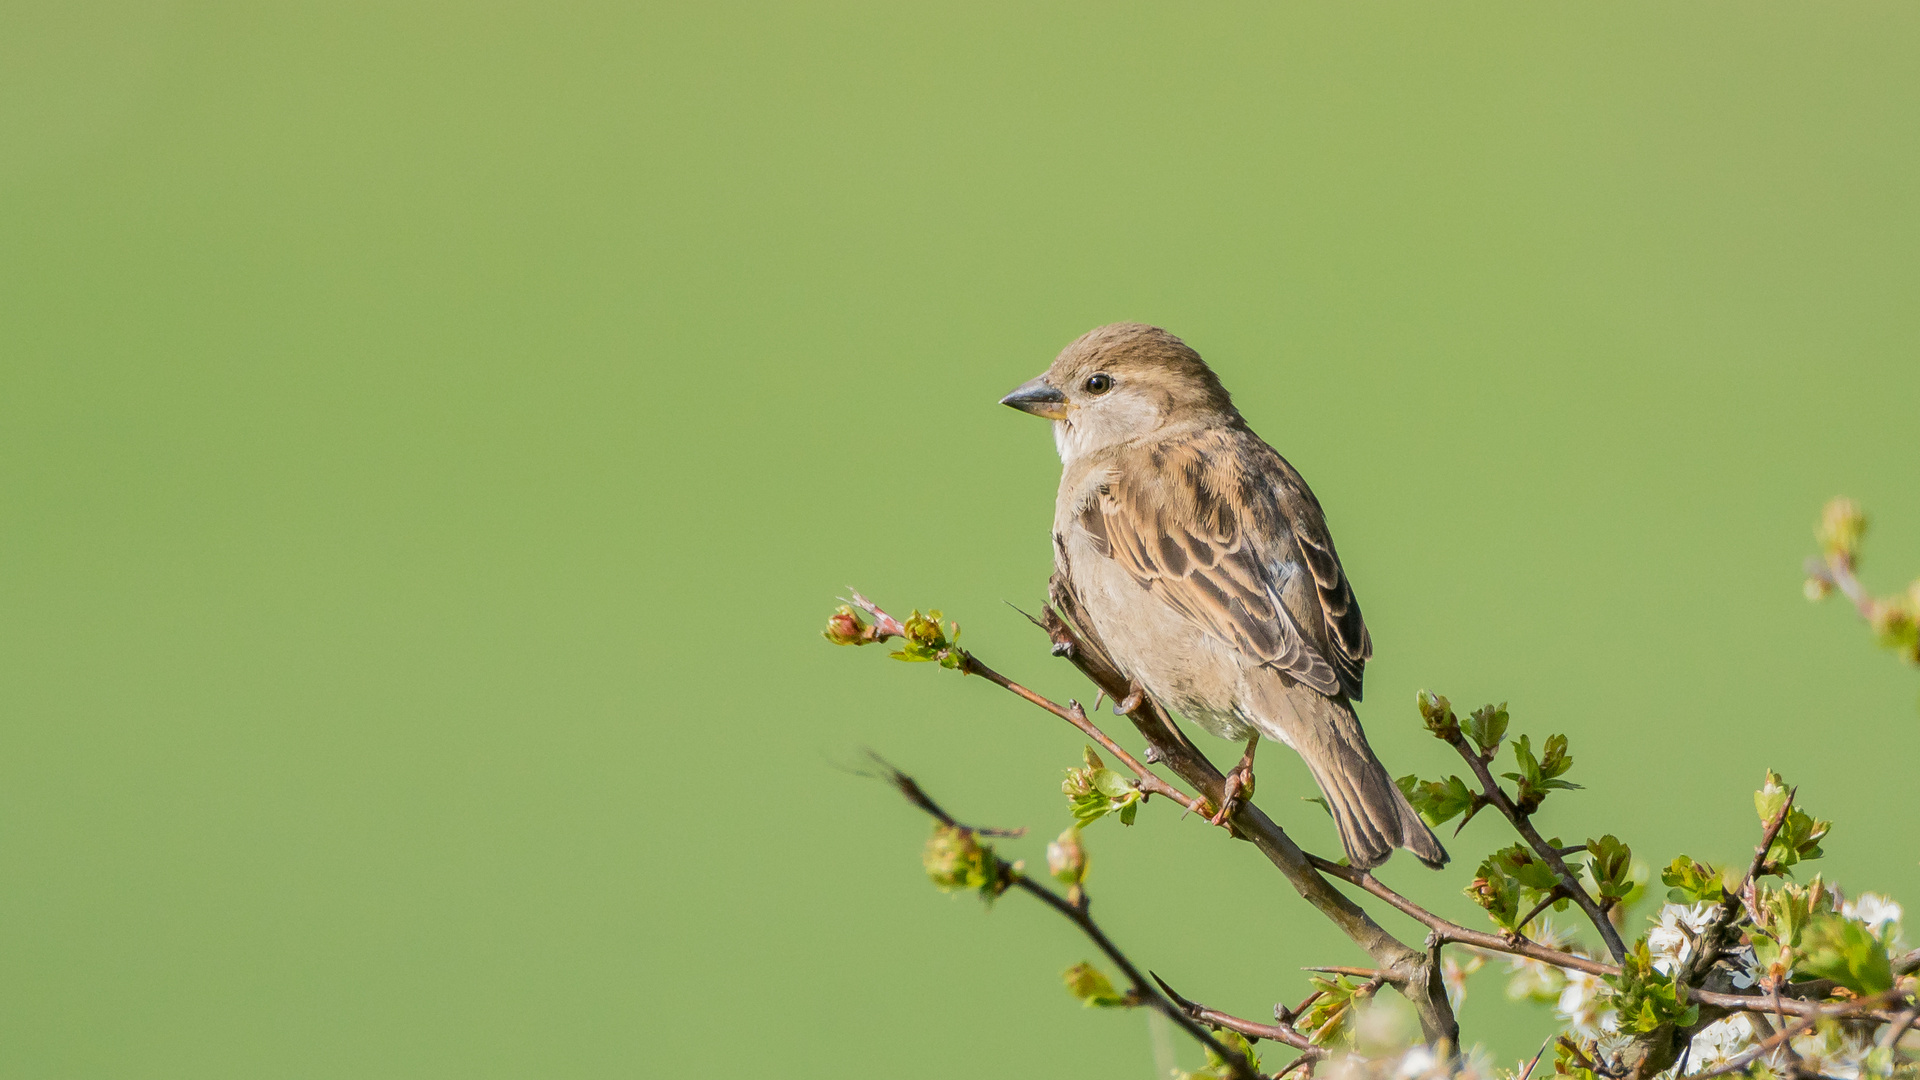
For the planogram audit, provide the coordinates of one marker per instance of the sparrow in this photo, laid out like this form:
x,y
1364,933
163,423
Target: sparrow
x,y
1204,564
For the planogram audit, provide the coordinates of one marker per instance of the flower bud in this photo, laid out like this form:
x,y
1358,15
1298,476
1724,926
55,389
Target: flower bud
x,y
1842,524
955,859
845,627
1066,859
1437,711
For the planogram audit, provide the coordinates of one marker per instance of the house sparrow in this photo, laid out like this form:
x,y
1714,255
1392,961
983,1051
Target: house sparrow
x,y
1205,566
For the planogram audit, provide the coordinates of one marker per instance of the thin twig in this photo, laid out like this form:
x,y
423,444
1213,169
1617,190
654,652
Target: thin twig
x,y
1356,972
1445,931
1554,896
1143,991
1786,1034
886,626
1414,973
1710,943
1252,1029
1523,824
1837,571
1898,1029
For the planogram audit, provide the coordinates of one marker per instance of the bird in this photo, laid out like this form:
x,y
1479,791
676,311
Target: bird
x,y
1204,564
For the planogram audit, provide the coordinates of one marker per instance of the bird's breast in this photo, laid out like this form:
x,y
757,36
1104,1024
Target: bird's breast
x,y
1154,644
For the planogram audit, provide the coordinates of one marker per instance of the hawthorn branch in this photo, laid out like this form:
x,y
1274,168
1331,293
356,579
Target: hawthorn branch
x,y
1522,822
886,626
1863,1006
1713,939
1836,571
1142,991
1252,1029
1414,973
1443,931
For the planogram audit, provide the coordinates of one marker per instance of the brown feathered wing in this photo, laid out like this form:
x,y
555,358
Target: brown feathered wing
x,y
1227,533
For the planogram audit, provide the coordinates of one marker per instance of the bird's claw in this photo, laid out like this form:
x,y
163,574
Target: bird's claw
x,y
1239,783
1125,706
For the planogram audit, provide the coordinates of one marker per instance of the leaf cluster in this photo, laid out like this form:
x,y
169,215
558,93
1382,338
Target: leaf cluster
x,y
1329,1019
1644,998
927,638
1690,882
1439,801
1610,861
955,859
1537,776
1845,951
1800,835
1094,791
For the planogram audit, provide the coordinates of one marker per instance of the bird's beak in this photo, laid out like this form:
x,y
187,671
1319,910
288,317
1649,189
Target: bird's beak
x,y
1039,398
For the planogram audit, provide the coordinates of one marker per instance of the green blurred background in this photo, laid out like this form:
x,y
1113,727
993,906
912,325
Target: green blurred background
x,y
431,437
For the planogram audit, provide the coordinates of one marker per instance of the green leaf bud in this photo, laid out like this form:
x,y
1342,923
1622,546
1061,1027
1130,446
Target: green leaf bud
x,y
1093,988
1488,726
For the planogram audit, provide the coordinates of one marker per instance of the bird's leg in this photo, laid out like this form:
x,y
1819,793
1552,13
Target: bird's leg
x,y
1239,782
1135,695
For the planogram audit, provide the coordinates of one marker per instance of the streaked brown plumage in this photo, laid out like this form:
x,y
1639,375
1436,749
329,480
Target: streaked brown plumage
x,y
1205,564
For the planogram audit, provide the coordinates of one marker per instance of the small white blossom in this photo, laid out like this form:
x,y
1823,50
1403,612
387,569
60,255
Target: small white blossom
x,y
1534,981
1671,941
1453,974
1718,1043
1743,963
1418,1062
1876,911
1837,1051
1583,1004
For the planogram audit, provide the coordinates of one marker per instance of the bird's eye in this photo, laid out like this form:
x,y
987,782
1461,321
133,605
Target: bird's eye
x,y
1099,384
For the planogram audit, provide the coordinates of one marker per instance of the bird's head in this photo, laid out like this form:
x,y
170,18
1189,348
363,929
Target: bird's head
x,y
1120,383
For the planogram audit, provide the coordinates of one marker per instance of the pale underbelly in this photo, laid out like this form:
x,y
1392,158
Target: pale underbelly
x,y
1180,665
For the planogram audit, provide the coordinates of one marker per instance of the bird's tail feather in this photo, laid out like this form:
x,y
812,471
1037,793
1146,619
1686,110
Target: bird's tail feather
x,y
1368,808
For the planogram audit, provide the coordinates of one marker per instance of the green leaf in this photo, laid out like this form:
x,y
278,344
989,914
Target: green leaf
x,y
1331,1017
1488,726
1845,951
1217,1067
1611,863
925,639
1095,791
1524,866
1496,890
1799,837
1093,988
1438,801
1646,999
1537,776
1692,882
1567,1065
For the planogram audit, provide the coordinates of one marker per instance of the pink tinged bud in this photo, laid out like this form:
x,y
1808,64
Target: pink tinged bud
x,y
846,628
1066,859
